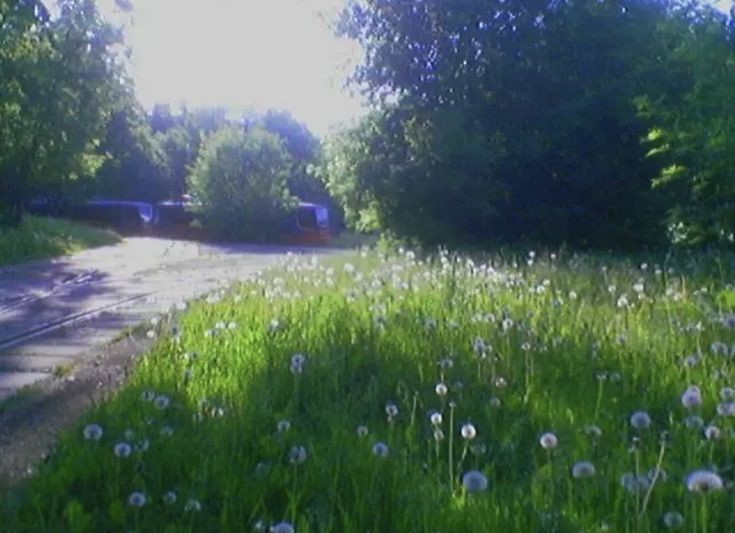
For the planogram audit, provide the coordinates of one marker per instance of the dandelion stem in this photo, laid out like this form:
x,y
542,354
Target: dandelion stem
x,y
451,446
656,475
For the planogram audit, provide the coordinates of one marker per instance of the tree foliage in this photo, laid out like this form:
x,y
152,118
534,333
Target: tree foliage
x,y
511,119
240,179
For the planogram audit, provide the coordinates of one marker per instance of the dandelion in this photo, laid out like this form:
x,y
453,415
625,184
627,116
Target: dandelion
x,y
727,394
692,397
150,334
658,474
441,389
500,382
728,321
704,481
673,520
167,431
297,363
438,435
640,420
694,422
591,430
474,481
712,432
391,410
726,409
161,402
148,396
192,506
583,470
283,426
297,455
123,449
633,483
468,431
548,441
93,432
136,499
719,348
169,498
362,431
495,402
282,527
380,449
436,418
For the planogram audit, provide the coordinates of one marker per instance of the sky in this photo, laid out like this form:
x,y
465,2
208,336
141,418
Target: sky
x,y
242,54
246,54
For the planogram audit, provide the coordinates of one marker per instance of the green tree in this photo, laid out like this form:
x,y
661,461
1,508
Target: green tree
x,y
240,179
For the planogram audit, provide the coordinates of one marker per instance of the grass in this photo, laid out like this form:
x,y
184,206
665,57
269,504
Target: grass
x,y
40,238
379,395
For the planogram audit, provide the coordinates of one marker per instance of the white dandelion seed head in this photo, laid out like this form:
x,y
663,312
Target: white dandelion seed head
x,y
441,389
362,431
438,435
123,449
436,418
136,499
282,527
673,520
143,445
548,441
169,498
161,402
468,431
192,506
726,409
692,397
640,420
297,455
93,432
704,481
694,422
297,363
500,382
583,470
474,481
391,410
150,334
728,321
712,432
380,449
148,396
283,426
495,402
634,484
719,348
727,394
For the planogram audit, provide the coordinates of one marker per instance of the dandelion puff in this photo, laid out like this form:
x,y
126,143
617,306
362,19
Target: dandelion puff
x,y
282,527
283,426
136,499
438,435
474,481
391,410
468,431
728,321
436,418
362,431
692,398
694,422
704,481
161,402
583,470
640,420
297,455
297,363
673,520
93,432
123,449
380,449
548,441
441,389
495,402
169,498
148,396
712,432
192,506
726,409
727,394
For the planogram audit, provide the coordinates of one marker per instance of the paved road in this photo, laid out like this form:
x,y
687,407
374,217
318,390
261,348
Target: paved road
x,y
52,313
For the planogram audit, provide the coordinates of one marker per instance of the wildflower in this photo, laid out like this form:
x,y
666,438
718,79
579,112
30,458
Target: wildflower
x,y
468,431
283,426
438,435
640,420
282,527
297,455
623,301
692,397
148,396
593,431
391,410
123,449
572,295
192,506
548,441
136,499
93,432
495,402
583,470
657,473
727,394
704,481
726,409
673,520
633,483
719,348
142,446
161,402
728,321
362,431
474,481
436,418
441,389
712,432
150,334
169,498
639,287
500,382
380,449
297,363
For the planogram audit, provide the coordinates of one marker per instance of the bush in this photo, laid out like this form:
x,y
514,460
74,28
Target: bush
x,y
240,180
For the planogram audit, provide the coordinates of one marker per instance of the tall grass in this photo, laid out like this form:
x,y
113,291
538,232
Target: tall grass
x,y
394,394
39,238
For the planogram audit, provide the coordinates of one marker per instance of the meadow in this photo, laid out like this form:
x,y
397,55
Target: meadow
x,y
391,392
41,238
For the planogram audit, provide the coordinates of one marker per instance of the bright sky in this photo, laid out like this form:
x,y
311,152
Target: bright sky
x,y
243,54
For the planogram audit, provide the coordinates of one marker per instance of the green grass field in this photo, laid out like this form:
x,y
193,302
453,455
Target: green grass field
x,y
39,238
527,393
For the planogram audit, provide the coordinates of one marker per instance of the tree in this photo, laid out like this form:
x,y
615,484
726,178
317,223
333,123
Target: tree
x,y
240,179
